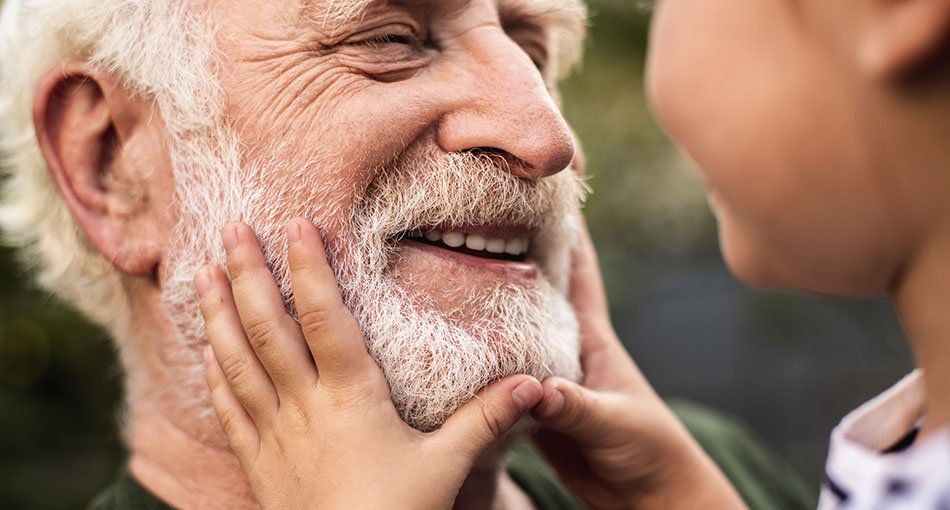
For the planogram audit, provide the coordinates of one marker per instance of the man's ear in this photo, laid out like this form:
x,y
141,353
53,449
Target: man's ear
x,y
107,157
903,34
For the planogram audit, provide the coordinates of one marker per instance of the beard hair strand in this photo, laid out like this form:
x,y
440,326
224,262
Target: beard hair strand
x,y
434,362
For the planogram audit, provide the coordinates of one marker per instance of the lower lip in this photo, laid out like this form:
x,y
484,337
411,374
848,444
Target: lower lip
x,y
505,268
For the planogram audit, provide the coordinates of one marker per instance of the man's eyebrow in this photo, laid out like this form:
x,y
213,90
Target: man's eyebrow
x,y
555,11
564,21
331,14
543,12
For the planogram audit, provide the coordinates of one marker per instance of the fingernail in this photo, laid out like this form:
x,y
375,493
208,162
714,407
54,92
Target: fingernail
x,y
293,232
526,395
554,406
229,237
203,282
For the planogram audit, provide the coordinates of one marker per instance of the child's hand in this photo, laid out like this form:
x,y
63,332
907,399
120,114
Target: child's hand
x,y
306,409
613,440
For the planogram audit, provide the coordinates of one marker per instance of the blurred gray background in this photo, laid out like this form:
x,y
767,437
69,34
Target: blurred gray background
x,y
788,366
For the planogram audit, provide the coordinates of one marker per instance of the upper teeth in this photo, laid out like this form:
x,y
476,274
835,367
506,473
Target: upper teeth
x,y
514,246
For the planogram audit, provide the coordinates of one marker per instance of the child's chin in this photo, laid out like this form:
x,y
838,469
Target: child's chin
x,y
746,262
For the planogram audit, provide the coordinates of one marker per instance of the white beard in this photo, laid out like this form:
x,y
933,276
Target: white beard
x,y
434,361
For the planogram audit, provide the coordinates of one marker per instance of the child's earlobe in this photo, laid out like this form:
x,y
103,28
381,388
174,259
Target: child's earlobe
x,y
901,35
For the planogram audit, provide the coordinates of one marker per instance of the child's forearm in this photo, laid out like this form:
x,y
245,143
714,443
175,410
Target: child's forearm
x,y
693,482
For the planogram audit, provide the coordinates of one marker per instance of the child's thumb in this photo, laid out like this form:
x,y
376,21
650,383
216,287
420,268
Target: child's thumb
x,y
489,414
566,407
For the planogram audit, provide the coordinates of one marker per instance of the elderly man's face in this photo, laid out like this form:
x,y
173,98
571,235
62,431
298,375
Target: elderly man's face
x,y
431,76
422,137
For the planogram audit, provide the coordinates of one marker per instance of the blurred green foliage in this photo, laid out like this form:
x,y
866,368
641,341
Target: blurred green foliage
x,y
58,398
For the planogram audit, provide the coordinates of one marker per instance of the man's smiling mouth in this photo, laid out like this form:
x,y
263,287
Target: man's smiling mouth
x,y
510,248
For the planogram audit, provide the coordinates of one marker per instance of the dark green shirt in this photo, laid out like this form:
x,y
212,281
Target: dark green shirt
x,y
762,480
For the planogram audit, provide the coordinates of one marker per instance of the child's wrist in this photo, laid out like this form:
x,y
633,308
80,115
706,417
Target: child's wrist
x,y
687,479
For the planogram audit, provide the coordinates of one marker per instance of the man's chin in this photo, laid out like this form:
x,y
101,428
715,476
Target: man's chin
x,y
436,361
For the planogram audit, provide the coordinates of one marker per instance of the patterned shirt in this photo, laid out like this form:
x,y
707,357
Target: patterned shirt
x,y
876,460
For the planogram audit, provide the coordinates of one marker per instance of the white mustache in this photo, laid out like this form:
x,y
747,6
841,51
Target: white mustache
x,y
426,190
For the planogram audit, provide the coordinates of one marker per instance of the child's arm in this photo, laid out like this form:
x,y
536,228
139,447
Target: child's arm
x,y
306,409
613,441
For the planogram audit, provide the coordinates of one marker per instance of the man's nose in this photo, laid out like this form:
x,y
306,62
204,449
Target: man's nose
x,y
506,110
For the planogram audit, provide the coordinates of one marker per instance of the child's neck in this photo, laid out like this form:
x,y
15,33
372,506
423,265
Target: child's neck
x,y
922,297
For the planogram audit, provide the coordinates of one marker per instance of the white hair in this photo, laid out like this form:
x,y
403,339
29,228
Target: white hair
x,y
164,52
161,51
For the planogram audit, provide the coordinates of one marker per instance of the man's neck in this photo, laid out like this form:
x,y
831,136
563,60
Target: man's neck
x,y
177,448
923,302
184,471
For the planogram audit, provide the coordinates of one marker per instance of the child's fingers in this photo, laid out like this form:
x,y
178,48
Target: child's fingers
x,y
238,426
272,333
587,293
487,416
239,364
602,355
331,330
568,407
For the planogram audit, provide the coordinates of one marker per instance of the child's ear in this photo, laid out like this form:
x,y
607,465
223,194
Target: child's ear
x,y
902,34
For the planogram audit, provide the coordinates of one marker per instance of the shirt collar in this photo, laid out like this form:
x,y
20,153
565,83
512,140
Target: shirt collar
x,y
885,420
